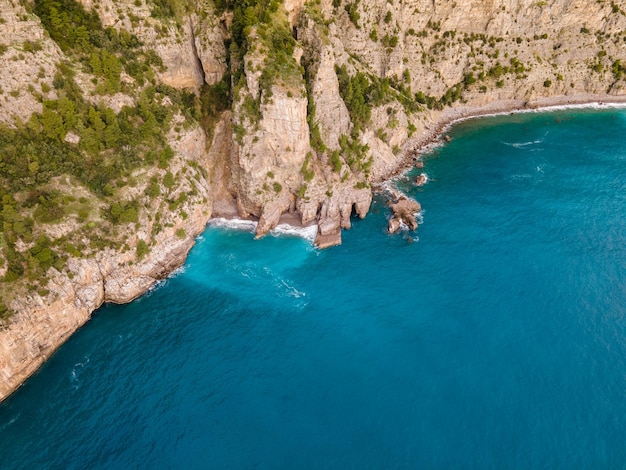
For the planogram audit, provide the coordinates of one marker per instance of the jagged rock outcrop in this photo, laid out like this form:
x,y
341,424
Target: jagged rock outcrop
x,y
404,211
270,155
331,115
293,8
208,46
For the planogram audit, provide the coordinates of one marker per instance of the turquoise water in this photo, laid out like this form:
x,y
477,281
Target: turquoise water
x,y
497,339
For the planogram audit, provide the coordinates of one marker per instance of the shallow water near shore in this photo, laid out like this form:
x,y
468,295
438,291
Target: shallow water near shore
x,y
493,337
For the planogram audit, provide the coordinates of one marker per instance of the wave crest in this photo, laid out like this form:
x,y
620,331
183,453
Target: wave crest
x,y
308,232
233,224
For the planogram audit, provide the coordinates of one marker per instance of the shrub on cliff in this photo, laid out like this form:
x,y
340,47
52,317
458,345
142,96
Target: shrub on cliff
x,y
355,92
142,249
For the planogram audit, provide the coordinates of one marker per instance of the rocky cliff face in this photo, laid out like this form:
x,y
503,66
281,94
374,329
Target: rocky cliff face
x,y
326,97
43,322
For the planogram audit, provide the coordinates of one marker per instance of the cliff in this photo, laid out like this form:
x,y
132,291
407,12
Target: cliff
x,y
126,125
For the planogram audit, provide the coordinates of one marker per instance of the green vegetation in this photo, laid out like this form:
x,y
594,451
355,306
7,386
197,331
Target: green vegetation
x,y
213,101
163,9
75,161
75,146
30,46
307,173
335,161
357,93
615,8
618,69
314,131
4,311
353,13
142,249
262,25
104,51
355,153
361,92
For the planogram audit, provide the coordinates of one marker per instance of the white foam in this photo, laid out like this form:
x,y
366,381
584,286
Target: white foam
x,y
419,217
233,224
517,177
76,371
284,288
539,109
292,291
393,191
518,145
160,283
308,233
10,422
429,147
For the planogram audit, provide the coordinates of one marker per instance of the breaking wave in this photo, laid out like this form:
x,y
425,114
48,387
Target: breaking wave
x,y
308,233
233,224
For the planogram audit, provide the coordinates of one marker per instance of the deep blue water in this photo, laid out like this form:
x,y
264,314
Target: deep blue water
x,y
497,340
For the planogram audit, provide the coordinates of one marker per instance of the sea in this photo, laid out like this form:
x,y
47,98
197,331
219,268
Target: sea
x,y
493,337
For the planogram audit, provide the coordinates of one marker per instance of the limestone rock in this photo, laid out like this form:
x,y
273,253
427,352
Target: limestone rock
x,y
404,211
209,47
183,68
293,9
331,113
23,73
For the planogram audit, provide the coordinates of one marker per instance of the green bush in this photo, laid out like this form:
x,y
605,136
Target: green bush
x,y
353,13
355,92
168,180
30,46
307,173
335,161
142,249
163,9
123,212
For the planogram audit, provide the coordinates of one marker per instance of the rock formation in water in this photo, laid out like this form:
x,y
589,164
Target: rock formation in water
x,y
126,125
404,211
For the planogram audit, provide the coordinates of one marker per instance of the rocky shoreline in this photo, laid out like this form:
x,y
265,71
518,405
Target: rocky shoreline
x,y
403,209
431,137
27,341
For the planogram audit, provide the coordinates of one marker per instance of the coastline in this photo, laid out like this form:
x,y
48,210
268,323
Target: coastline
x,y
448,118
71,314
